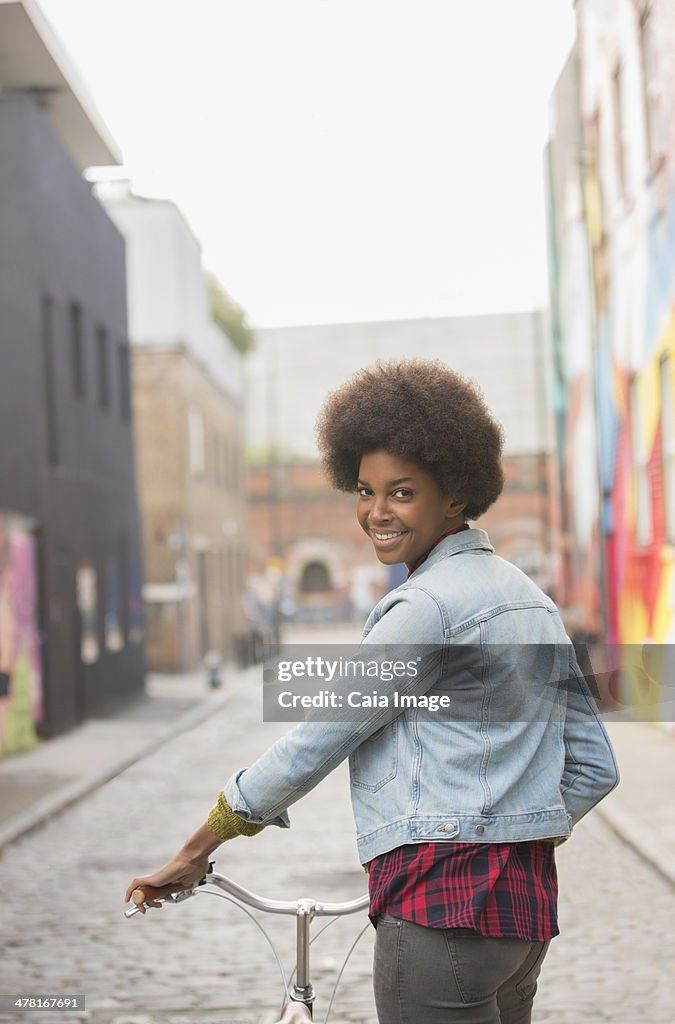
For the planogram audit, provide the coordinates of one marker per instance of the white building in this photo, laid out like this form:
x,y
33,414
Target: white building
x,y
293,369
187,384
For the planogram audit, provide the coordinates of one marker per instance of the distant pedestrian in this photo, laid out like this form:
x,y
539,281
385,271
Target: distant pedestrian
x,y
458,812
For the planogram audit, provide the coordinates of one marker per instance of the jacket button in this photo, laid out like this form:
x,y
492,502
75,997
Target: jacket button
x,y
480,829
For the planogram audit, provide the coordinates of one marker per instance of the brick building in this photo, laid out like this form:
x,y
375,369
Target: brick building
x,y
329,567
187,400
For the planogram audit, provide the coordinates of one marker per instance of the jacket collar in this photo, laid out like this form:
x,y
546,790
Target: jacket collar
x,y
473,539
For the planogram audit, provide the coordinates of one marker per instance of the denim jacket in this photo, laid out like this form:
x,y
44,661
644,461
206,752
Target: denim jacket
x,y
521,753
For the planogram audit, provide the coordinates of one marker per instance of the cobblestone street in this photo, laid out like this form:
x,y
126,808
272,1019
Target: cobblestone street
x,y
64,930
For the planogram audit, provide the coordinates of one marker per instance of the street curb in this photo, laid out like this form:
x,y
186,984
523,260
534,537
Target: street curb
x,y
67,795
629,832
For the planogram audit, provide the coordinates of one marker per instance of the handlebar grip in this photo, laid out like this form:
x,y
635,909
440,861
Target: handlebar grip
x,y
148,893
153,892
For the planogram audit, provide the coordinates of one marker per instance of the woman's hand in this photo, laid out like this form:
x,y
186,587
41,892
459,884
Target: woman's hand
x,y
184,871
179,874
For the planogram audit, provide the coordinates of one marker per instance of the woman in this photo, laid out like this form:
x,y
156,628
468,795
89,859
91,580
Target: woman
x,y
457,813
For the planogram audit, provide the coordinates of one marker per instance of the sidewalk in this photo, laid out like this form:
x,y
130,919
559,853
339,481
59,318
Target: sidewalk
x,y
641,810
40,783
36,785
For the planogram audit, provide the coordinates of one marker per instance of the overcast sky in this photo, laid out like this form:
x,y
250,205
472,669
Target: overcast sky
x,y
338,159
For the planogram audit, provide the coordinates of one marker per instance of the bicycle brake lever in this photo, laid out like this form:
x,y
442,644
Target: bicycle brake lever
x,y
209,871
178,897
204,879
184,894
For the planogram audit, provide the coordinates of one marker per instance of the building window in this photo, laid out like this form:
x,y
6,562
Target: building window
x,y
113,632
212,456
102,367
650,86
222,578
123,548
87,603
203,602
196,441
232,572
223,461
643,489
76,348
668,444
619,140
51,419
234,465
224,472
124,372
207,451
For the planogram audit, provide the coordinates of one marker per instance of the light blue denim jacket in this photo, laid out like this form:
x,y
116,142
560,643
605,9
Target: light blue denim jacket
x,y
521,754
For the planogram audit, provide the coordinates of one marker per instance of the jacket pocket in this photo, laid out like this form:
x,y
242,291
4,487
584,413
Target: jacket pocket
x,y
375,762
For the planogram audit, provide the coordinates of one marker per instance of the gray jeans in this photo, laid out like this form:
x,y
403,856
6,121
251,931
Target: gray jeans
x,y
452,975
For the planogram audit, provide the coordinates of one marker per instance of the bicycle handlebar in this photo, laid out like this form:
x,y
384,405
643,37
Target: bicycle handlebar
x,y
251,899
319,908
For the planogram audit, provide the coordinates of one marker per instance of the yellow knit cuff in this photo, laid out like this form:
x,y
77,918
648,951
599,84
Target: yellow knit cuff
x,y
225,824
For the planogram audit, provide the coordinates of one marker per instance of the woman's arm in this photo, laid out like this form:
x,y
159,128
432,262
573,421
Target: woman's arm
x,y
192,860
590,770
298,761
258,796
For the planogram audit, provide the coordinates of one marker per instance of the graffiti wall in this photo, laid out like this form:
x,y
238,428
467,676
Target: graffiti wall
x,y
643,583
20,663
615,356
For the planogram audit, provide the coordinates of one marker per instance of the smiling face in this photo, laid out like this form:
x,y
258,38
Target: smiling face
x,y
402,508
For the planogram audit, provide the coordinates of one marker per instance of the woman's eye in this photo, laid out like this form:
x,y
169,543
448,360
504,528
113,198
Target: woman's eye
x,y
364,492
403,492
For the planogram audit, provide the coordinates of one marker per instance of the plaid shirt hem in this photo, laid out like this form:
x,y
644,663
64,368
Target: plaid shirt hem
x,y
500,890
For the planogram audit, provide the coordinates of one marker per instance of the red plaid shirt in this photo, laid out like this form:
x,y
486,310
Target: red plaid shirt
x,y
502,890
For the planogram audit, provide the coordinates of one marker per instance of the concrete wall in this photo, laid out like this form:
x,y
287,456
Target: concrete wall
x,y
293,368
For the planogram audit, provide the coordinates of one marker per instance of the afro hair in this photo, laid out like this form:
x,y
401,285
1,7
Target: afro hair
x,y
419,410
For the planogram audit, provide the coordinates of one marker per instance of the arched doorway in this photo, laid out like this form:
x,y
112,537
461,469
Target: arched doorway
x,y
315,579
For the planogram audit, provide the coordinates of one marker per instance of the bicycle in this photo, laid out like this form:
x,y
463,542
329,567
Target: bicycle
x,y
298,1000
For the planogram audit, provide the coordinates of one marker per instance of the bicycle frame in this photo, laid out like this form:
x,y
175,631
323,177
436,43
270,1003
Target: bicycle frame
x,y
301,997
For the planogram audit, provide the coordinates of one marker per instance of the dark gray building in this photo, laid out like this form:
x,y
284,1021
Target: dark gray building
x,y
66,439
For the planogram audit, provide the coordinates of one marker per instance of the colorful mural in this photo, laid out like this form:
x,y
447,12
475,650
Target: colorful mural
x,y
640,556
21,705
617,451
